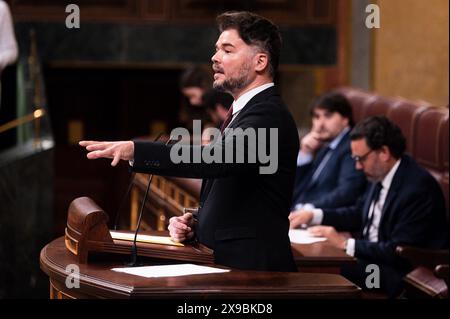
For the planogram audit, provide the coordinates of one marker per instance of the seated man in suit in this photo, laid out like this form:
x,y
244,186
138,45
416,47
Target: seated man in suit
x,y
404,205
194,83
326,176
244,205
217,103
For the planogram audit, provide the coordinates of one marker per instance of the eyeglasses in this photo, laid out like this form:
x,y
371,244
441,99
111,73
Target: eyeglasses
x,y
362,158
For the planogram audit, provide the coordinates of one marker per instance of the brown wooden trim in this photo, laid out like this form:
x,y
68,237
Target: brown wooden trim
x,y
97,280
282,12
338,75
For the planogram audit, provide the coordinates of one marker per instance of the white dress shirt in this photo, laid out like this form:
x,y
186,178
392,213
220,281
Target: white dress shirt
x,y
242,101
375,208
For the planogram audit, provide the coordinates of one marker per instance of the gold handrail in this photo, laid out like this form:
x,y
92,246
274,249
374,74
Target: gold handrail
x,y
22,120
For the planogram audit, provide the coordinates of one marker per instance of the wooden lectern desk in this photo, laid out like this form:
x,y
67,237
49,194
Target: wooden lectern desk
x,y
97,280
320,257
91,249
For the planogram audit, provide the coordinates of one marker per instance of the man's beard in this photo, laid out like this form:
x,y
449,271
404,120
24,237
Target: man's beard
x,y
235,84
377,175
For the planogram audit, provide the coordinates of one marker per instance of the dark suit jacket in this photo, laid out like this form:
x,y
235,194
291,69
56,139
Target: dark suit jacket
x,y
413,214
339,184
243,214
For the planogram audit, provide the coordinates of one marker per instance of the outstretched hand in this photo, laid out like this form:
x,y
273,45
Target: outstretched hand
x,y
122,150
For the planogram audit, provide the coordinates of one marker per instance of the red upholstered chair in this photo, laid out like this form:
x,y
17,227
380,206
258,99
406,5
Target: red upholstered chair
x,y
425,283
406,115
358,99
429,278
428,140
378,105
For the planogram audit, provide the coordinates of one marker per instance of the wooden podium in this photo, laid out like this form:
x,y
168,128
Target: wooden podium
x,y
89,246
97,280
87,232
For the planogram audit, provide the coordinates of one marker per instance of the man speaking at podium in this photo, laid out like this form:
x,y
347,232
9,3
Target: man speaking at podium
x,y
243,213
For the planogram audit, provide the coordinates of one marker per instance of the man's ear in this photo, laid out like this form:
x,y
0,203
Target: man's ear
x,y
385,153
261,62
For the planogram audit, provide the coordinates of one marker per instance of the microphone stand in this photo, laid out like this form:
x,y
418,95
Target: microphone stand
x,y
116,221
134,262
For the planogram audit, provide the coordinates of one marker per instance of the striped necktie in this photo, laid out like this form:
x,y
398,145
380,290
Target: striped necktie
x,y
227,119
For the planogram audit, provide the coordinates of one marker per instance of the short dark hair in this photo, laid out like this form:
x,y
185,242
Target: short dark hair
x,y
196,76
212,97
255,30
379,131
334,102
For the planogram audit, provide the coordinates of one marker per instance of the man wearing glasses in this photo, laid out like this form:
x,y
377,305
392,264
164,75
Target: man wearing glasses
x,y
404,205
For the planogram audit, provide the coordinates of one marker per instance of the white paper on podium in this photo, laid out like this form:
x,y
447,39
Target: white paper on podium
x,y
163,240
170,270
302,236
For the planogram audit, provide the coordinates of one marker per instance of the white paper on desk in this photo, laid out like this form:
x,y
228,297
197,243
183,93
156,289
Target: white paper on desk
x,y
163,240
170,270
302,236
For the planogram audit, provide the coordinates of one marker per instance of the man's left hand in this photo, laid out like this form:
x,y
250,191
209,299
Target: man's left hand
x,y
123,150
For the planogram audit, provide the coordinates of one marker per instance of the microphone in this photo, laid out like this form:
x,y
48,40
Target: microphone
x,y
133,174
133,262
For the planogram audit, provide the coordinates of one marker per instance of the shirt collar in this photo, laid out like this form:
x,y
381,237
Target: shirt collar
x,y
335,142
239,104
387,180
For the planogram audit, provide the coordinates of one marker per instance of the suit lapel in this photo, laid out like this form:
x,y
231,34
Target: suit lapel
x,y
204,192
262,96
321,155
307,182
367,204
394,189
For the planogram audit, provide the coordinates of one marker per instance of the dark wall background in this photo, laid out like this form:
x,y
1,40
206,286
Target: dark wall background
x,y
117,74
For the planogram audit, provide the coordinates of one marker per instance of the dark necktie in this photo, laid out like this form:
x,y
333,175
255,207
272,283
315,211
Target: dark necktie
x,y
227,119
375,197
206,185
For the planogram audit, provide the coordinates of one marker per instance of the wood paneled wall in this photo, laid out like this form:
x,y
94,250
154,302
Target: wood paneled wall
x,y
286,12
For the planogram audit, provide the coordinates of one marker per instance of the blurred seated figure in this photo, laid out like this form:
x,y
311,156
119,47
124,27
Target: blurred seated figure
x,y
326,176
217,104
194,82
403,205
